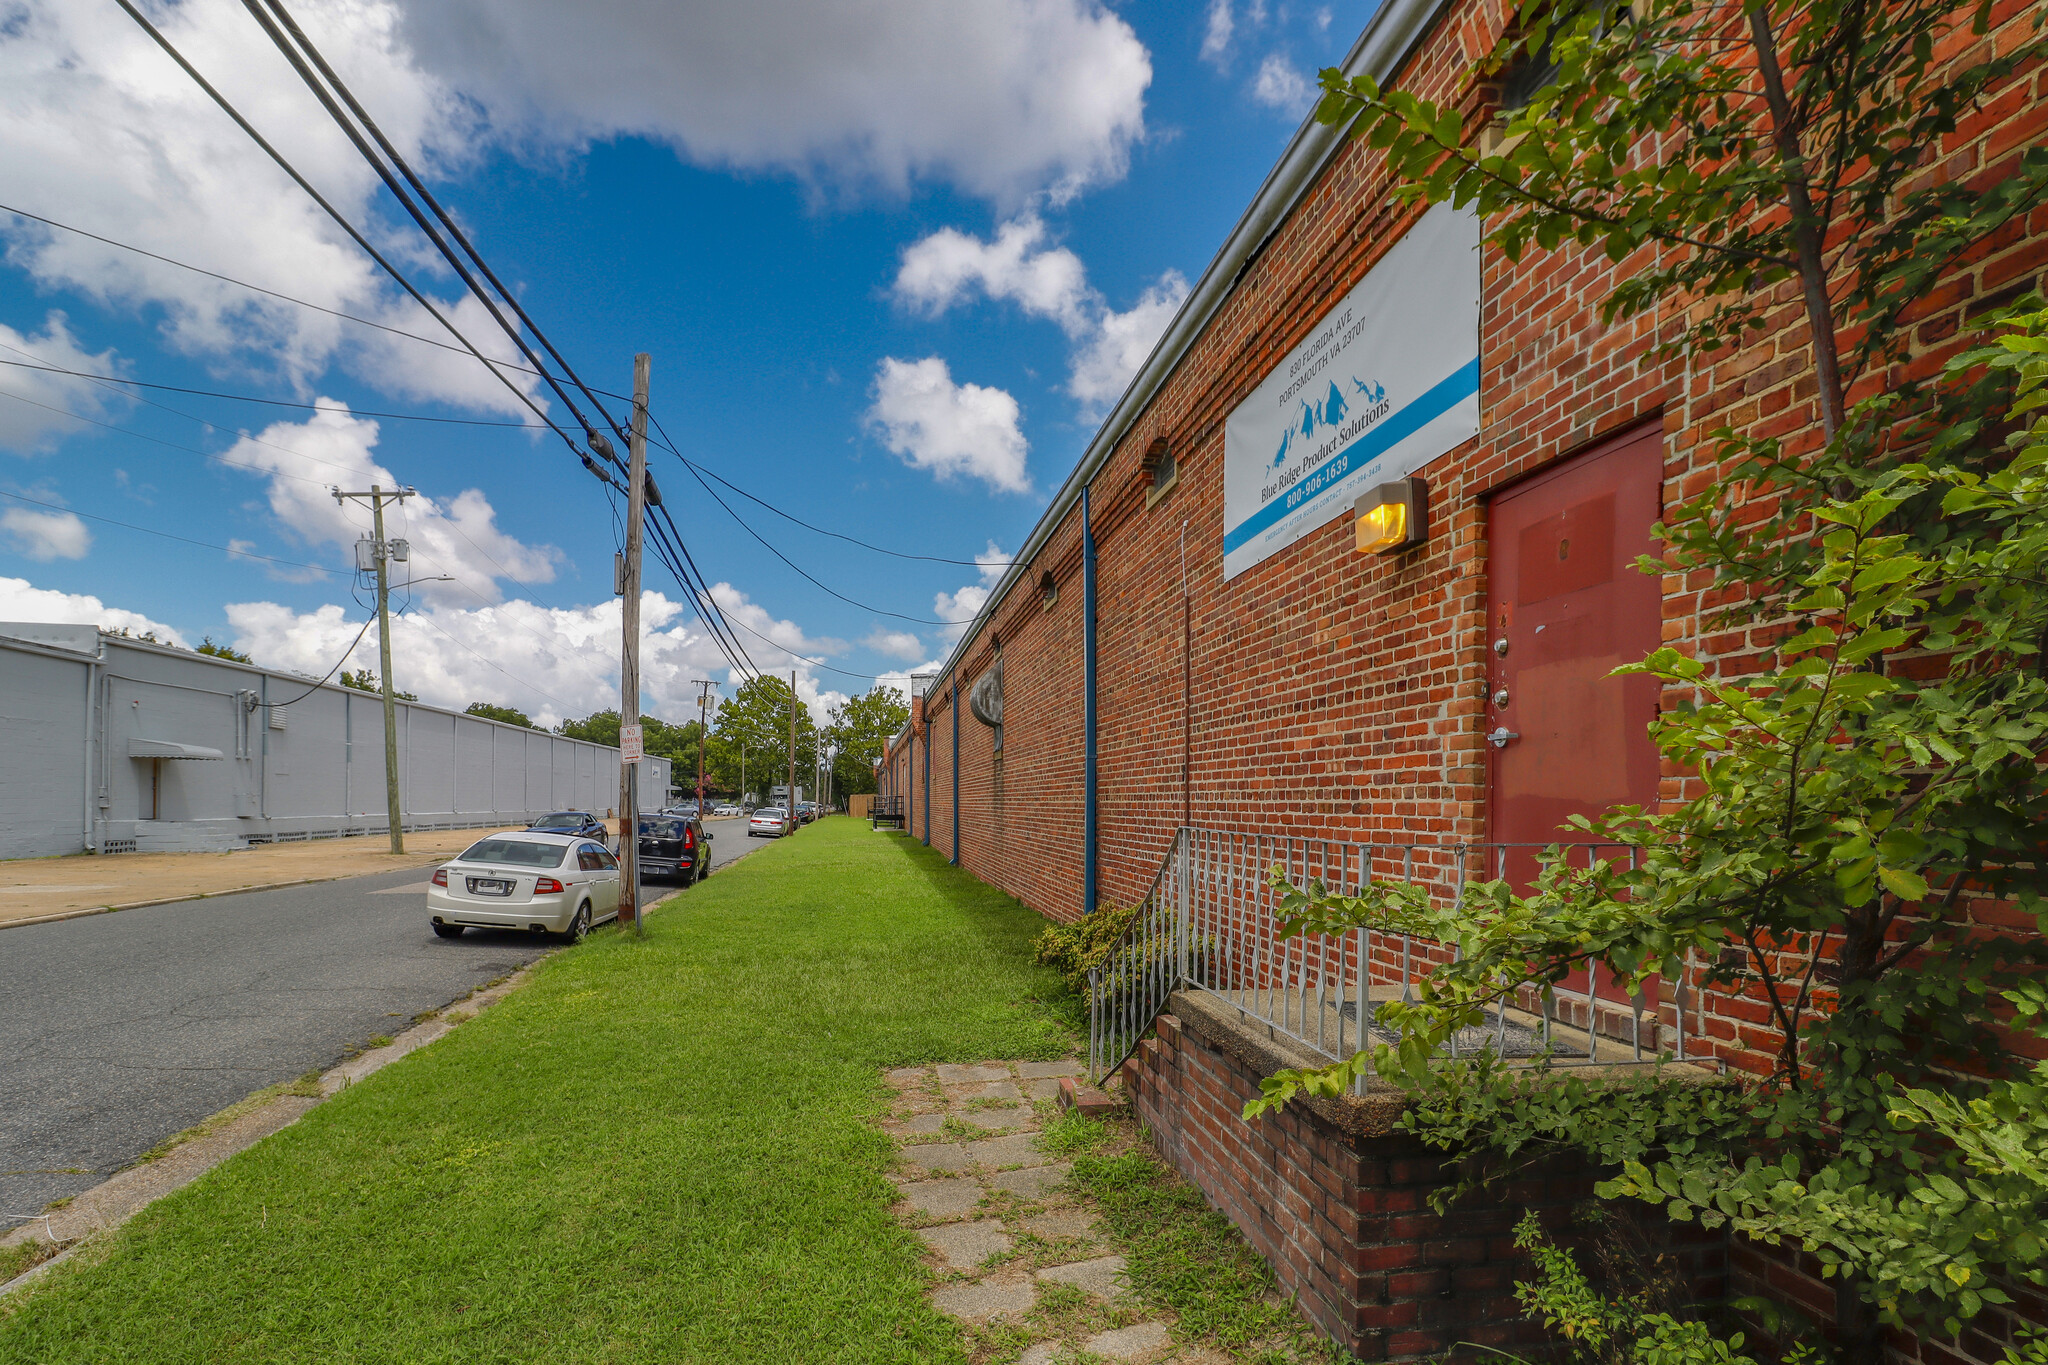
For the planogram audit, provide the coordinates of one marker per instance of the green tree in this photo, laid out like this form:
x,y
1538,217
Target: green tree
x,y
207,646
677,743
860,731
1860,828
599,727
510,715
752,730
363,680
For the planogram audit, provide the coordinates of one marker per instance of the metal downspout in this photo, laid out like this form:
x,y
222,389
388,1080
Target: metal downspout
x,y
955,706
99,655
1087,708
927,779
263,761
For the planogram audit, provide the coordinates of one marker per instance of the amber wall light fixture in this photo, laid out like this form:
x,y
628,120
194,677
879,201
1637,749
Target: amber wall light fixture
x,y
1393,517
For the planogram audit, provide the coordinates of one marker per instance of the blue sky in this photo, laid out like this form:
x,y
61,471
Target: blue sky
x,y
890,274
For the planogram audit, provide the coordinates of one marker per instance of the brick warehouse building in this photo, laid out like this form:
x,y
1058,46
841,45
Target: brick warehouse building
x,y
1317,690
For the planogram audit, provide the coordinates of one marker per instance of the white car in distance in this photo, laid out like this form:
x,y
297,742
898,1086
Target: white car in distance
x,y
771,822
541,883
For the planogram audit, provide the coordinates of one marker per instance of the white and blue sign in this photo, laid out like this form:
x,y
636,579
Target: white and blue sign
x,y
1388,382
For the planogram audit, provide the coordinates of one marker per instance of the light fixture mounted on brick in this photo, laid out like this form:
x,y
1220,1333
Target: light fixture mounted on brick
x,y
1393,517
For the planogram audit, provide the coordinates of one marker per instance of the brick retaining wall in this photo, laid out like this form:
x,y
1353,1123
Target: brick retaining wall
x,y
1339,1205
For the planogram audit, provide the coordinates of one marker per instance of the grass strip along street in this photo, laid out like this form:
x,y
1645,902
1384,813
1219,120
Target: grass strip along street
x,y
655,1151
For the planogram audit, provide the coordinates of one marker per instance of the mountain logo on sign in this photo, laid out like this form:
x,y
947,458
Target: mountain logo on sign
x,y
1330,412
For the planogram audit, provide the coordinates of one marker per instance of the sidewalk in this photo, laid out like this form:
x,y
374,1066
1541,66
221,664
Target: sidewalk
x,y
34,889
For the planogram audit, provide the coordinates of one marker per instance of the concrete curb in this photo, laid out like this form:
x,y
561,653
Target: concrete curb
x,y
126,1193
204,895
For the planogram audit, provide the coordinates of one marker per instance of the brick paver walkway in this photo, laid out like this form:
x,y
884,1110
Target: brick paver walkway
x,y
1018,1258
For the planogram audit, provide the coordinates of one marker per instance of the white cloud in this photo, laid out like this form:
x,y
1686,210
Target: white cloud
x,y
283,573
1103,368
897,644
550,662
951,429
1216,34
1002,98
99,129
20,600
459,537
46,535
771,643
960,607
946,268
33,403
1279,86
950,267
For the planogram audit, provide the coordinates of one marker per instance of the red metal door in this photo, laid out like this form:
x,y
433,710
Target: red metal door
x,y
1566,605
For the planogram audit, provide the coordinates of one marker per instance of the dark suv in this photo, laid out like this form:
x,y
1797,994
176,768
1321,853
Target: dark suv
x,y
674,846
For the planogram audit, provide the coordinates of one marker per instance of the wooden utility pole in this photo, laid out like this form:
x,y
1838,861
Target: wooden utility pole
x,y
792,742
382,553
629,659
704,686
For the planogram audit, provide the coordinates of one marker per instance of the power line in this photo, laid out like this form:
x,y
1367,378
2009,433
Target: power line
x,y
453,228
429,620
272,402
354,233
246,554
298,56
337,664
385,174
807,661
833,592
708,609
473,590
666,444
244,284
150,531
260,469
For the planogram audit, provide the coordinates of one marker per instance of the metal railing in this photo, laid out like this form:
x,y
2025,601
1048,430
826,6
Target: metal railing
x,y
1207,924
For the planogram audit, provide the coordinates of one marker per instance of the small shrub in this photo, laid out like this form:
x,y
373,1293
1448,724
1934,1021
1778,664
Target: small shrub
x,y
1071,949
1629,1326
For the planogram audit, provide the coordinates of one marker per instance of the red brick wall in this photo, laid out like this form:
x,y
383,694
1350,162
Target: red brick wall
x,y
1345,1221
1342,695
1339,695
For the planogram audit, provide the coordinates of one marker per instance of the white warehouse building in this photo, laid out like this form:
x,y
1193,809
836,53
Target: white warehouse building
x,y
115,745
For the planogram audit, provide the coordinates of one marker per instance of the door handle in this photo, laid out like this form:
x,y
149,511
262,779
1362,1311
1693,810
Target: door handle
x,y
1500,737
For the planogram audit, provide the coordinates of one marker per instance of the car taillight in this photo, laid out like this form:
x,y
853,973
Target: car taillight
x,y
689,836
440,876
545,886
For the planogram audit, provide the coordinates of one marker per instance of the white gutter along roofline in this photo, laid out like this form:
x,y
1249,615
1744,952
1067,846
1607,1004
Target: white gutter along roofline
x,y
1388,37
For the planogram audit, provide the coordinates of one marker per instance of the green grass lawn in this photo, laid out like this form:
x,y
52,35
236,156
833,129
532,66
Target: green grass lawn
x,y
654,1151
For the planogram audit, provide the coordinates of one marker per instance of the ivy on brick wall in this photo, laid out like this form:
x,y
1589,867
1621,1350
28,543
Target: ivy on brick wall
x,y
1862,852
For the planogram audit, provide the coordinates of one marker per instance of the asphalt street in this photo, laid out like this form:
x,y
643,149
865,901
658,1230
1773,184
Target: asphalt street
x,y
124,1028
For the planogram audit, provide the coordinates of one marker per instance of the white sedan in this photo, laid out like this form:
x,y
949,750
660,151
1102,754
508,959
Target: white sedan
x,y
770,822
542,883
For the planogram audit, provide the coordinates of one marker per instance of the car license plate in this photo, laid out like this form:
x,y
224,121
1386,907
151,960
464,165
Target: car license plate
x,y
489,886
